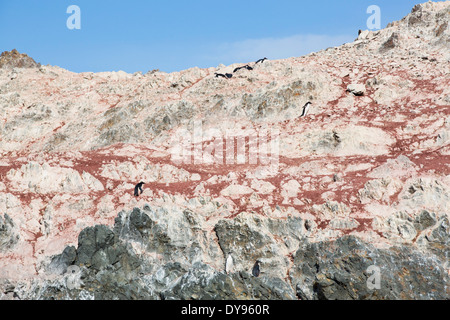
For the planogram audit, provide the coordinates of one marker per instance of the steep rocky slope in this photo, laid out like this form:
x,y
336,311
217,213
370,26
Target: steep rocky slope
x,y
363,180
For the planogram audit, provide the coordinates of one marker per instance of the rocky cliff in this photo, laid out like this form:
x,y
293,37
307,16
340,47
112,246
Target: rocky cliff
x,y
352,202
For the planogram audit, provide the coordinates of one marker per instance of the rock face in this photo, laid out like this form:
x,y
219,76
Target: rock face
x,y
8,233
341,270
135,260
14,59
351,201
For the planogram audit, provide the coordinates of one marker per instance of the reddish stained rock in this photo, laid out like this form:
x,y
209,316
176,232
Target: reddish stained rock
x,y
14,59
132,149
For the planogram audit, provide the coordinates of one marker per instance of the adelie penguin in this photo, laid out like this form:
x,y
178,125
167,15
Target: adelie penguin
x,y
261,60
246,67
229,264
305,109
226,76
137,188
256,271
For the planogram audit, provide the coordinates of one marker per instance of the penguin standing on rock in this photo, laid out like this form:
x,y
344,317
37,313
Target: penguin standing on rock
x,y
256,271
261,60
305,109
137,188
226,75
220,75
229,264
243,67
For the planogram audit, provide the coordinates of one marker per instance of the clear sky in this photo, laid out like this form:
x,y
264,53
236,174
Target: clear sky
x,y
141,35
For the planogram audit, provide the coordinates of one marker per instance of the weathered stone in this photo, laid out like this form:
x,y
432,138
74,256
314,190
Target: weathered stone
x,y
8,233
340,270
14,59
390,43
204,283
91,242
373,167
60,262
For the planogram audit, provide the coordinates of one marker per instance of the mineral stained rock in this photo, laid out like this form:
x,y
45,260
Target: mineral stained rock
x,y
14,59
354,202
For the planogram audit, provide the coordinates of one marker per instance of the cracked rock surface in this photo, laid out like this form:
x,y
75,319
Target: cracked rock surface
x,y
360,186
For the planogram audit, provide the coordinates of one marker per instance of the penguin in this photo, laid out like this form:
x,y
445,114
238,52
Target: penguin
x,y
246,67
260,60
256,271
336,137
317,267
229,264
226,75
305,109
137,188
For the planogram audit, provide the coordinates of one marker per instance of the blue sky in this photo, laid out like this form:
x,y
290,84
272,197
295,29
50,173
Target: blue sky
x,y
138,35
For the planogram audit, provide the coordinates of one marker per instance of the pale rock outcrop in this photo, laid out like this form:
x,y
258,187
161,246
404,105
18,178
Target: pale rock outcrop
x,y
37,178
361,181
380,190
236,191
